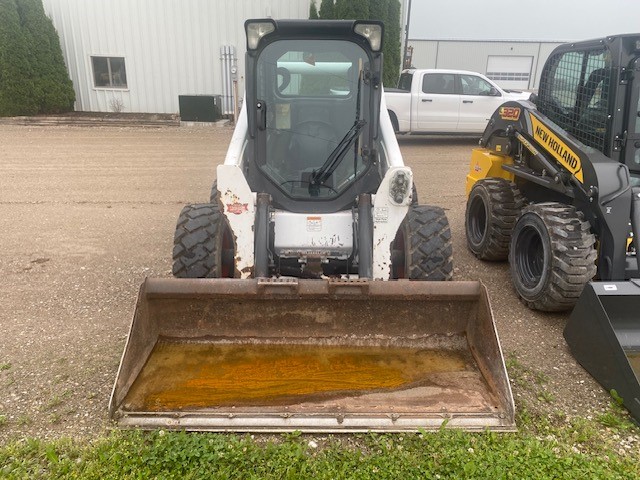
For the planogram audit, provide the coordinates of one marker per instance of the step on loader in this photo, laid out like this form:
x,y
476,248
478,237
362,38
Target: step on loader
x,y
555,188
313,292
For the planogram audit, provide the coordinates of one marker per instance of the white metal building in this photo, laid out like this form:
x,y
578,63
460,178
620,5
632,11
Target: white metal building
x,y
141,55
511,64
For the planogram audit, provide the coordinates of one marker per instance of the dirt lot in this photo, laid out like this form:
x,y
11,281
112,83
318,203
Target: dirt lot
x,y
87,213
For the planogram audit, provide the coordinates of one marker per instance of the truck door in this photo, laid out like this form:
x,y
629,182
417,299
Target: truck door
x,y
478,100
438,103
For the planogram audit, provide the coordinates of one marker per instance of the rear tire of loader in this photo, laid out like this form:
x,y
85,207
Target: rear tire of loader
x,y
422,248
552,256
215,194
203,245
414,195
493,207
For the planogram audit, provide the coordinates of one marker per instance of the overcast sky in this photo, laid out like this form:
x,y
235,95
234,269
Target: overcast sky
x,y
554,20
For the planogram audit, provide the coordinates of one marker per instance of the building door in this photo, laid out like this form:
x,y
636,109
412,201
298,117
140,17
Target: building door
x,y
510,71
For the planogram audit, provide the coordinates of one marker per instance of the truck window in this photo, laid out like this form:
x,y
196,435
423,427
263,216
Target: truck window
x,y
405,81
440,83
473,85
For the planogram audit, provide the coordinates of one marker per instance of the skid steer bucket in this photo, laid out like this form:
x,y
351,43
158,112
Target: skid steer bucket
x,y
312,355
603,334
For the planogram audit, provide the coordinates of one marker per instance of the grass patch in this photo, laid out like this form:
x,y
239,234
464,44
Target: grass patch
x,y
528,379
24,420
443,454
4,366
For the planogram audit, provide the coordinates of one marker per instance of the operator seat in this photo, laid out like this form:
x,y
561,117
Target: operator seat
x,y
311,143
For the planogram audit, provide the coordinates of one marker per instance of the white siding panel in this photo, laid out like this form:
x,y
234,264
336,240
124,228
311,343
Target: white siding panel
x,y
171,47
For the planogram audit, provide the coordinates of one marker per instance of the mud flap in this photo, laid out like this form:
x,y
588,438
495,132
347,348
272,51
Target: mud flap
x,y
603,333
312,355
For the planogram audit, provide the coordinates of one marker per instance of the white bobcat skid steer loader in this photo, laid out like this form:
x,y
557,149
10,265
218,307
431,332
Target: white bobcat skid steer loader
x,y
283,316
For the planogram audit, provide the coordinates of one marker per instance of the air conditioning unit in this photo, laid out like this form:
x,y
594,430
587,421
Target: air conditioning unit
x,y
200,108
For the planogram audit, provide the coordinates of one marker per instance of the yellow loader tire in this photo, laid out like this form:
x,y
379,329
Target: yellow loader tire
x,y
552,256
493,207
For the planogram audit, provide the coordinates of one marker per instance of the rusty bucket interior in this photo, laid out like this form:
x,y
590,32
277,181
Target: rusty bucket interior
x,y
312,355
603,333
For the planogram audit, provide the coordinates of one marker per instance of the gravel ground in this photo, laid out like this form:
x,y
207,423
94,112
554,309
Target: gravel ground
x,y
87,213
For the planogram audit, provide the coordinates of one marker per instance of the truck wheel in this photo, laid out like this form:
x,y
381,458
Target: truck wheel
x,y
492,210
552,256
203,245
422,247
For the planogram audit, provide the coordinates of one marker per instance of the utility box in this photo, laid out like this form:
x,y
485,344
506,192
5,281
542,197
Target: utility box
x,y
200,108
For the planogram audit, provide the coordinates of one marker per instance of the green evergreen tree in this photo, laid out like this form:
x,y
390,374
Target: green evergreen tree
x,y
386,10
378,10
33,77
53,89
16,84
392,44
327,10
313,11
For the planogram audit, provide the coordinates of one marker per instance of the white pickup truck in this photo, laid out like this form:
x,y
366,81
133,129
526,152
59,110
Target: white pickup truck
x,y
445,101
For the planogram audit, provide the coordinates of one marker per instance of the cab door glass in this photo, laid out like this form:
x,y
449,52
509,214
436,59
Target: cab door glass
x,y
637,130
635,119
439,83
566,79
405,82
592,105
473,85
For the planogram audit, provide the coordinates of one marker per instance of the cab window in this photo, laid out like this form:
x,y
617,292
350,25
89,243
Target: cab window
x,y
473,85
439,83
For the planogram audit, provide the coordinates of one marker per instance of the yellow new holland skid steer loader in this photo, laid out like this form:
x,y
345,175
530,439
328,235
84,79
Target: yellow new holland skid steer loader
x,y
294,306
555,188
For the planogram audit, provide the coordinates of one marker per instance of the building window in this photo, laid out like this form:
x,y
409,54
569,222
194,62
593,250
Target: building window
x,y
109,72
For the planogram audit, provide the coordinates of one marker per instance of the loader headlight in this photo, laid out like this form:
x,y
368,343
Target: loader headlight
x,y
256,30
372,32
399,187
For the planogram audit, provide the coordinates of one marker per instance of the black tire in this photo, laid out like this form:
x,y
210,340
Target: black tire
x,y
202,245
422,248
414,195
493,207
215,194
394,122
552,256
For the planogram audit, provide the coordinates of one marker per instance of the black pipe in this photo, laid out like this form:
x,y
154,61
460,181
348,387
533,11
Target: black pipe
x,y
365,236
261,250
635,222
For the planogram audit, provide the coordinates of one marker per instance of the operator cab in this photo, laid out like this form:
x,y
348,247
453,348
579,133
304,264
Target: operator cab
x,y
313,108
